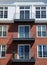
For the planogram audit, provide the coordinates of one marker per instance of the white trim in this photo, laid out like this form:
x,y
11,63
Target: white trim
x,y
23,45
23,26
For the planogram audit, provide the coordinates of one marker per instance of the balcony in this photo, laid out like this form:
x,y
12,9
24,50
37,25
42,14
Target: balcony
x,y
21,19
29,39
14,58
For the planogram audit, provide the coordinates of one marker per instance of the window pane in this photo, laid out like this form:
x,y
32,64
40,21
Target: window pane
x,y
43,14
21,32
1,14
43,7
0,33
37,14
27,7
26,52
3,48
44,50
43,33
27,14
44,28
26,31
5,14
21,52
4,33
37,8
39,33
3,54
40,51
39,28
21,7
21,14
4,28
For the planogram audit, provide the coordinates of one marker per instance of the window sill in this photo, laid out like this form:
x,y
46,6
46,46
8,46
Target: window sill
x,y
3,37
42,57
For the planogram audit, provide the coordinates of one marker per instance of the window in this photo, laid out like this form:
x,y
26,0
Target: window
x,y
40,12
42,51
41,31
3,12
24,12
2,51
3,31
23,31
23,51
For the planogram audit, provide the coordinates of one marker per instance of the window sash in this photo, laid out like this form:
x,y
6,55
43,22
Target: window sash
x,y
41,9
23,52
41,32
3,12
3,31
24,32
42,52
2,51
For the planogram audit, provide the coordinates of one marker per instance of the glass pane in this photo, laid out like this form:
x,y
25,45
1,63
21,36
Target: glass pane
x,y
3,48
27,7
3,54
40,51
6,8
4,33
27,14
37,14
43,14
21,7
0,33
4,28
43,8
1,14
21,14
44,50
43,28
39,33
43,33
21,52
5,14
0,28
1,8
39,28
26,31
21,32
37,8
26,52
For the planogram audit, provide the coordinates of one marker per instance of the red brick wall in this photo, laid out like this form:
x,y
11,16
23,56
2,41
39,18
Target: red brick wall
x,y
12,45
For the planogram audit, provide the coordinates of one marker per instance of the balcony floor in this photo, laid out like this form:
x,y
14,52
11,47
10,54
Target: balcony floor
x,y
25,60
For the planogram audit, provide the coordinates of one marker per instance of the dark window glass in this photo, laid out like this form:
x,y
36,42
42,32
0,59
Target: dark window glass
x,y
21,14
27,14
37,14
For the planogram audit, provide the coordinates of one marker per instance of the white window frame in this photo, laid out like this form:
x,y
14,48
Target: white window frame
x,y
1,51
26,10
41,31
4,11
23,26
24,45
40,12
42,52
2,31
